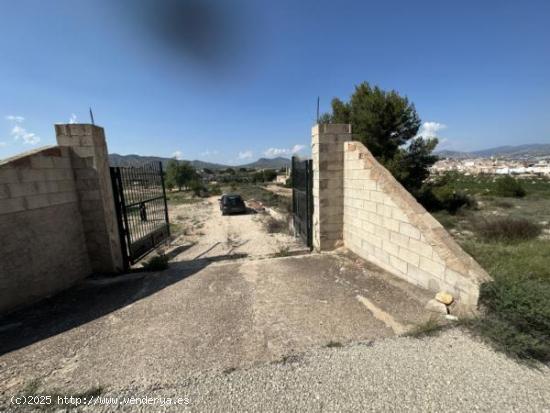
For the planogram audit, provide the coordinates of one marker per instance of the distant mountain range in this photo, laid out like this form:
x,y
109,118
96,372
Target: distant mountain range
x,y
138,160
268,163
529,151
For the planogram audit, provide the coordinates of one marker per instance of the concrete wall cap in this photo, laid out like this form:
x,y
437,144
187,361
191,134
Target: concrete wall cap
x,y
37,151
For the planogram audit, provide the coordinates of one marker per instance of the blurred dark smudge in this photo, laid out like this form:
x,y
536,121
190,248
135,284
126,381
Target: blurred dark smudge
x,y
210,33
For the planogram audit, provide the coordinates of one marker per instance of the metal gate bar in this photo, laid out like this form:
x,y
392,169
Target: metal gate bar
x,y
140,198
302,199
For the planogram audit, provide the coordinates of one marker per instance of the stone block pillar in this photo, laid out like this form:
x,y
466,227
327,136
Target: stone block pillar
x,y
327,150
90,163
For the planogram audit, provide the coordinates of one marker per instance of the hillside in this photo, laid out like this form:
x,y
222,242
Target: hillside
x,y
137,160
512,152
268,163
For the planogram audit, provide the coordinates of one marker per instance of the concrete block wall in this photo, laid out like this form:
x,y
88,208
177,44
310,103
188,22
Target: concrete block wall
x,y
90,162
57,217
42,248
327,152
383,223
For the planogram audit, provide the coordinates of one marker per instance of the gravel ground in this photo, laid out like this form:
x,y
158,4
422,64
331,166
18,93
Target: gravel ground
x,y
450,372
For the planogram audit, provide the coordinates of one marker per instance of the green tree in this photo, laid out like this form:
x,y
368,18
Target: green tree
x,y
387,124
170,174
266,175
410,165
180,174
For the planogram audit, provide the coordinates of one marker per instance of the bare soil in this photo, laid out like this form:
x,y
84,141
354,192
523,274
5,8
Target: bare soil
x,y
209,234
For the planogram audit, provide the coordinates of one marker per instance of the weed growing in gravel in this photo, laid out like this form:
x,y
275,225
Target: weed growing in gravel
x,y
177,229
157,263
31,388
283,252
229,370
334,344
275,226
428,328
181,198
290,359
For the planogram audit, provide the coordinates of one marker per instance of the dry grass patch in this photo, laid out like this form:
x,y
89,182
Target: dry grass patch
x,y
428,328
507,229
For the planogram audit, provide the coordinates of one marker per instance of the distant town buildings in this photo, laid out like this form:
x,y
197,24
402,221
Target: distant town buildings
x,y
492,166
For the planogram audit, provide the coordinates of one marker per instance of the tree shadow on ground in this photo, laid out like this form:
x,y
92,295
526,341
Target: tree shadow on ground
x,y
93,298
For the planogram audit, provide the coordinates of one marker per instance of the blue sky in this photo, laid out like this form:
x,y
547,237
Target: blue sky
x,y
244,83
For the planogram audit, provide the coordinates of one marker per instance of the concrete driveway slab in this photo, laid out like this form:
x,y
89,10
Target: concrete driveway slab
x,y
159,328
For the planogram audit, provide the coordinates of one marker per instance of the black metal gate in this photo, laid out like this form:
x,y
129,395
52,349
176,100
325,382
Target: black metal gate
x,y
140,201
302,199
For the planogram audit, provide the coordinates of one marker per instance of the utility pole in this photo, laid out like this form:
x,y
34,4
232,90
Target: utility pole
x,y
317,109
92,116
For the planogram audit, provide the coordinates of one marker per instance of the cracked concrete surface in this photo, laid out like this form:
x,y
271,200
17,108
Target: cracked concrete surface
x,y
196,317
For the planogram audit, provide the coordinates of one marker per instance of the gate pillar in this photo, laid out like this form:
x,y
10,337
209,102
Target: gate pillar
x,y
90,163
327,152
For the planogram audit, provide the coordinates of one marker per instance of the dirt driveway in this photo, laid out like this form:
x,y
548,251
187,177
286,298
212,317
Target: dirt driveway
x,y
213,235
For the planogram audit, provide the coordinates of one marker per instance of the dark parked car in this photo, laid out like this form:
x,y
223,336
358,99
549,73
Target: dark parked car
x,y
232,204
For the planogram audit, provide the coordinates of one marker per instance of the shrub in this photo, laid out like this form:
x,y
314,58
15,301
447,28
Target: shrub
x,y
516,305
430,327
284,251
288,183
504,204
274,225
517,318
452,201
157,263
197,187
509,187
435,198
427,198
215,190
508,229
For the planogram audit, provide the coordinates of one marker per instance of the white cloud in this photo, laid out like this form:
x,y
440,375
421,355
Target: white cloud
x,y
208,152
297,148
431,129
16,119
245,155
19,133
73,118
274,152
177,155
